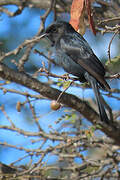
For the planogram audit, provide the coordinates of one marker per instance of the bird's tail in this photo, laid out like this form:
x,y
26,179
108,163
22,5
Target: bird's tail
x,y
94,84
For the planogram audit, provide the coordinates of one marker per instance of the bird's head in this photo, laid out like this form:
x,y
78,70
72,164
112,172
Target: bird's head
x,y
57,29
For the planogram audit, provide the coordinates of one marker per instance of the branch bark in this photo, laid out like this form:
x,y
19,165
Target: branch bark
x,y
34,3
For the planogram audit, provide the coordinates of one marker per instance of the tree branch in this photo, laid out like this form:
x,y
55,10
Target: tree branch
x,y
34,3
112,130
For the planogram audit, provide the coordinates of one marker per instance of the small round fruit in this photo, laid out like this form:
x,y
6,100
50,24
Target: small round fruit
x,y
18,106
55,105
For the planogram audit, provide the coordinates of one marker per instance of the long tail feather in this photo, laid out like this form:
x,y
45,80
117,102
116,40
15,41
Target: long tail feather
x,y
94,84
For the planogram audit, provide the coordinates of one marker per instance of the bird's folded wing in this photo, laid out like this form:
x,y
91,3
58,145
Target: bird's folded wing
x,y
84,56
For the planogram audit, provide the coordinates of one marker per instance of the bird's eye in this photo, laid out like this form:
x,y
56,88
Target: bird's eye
x,y
54,29
51,29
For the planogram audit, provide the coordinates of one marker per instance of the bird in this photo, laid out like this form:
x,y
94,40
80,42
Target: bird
x,y
75,56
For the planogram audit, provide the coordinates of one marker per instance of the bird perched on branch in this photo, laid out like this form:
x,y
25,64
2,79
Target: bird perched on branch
x,y
74,54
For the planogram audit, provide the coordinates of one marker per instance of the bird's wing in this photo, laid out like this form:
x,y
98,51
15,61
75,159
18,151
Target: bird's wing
x,y
79,51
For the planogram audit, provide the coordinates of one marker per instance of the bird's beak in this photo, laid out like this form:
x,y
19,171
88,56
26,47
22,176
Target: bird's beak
x,y
43,35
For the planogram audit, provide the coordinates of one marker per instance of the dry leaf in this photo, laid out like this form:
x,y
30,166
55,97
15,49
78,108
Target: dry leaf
x,y
77,16
90,17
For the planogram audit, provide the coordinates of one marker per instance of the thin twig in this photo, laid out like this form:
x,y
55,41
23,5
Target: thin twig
x,y
109,56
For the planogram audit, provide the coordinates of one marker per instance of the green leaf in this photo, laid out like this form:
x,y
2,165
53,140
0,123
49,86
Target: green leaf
x,y
113,66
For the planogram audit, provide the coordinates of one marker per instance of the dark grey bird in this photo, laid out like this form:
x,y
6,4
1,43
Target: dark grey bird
x,y
74,54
